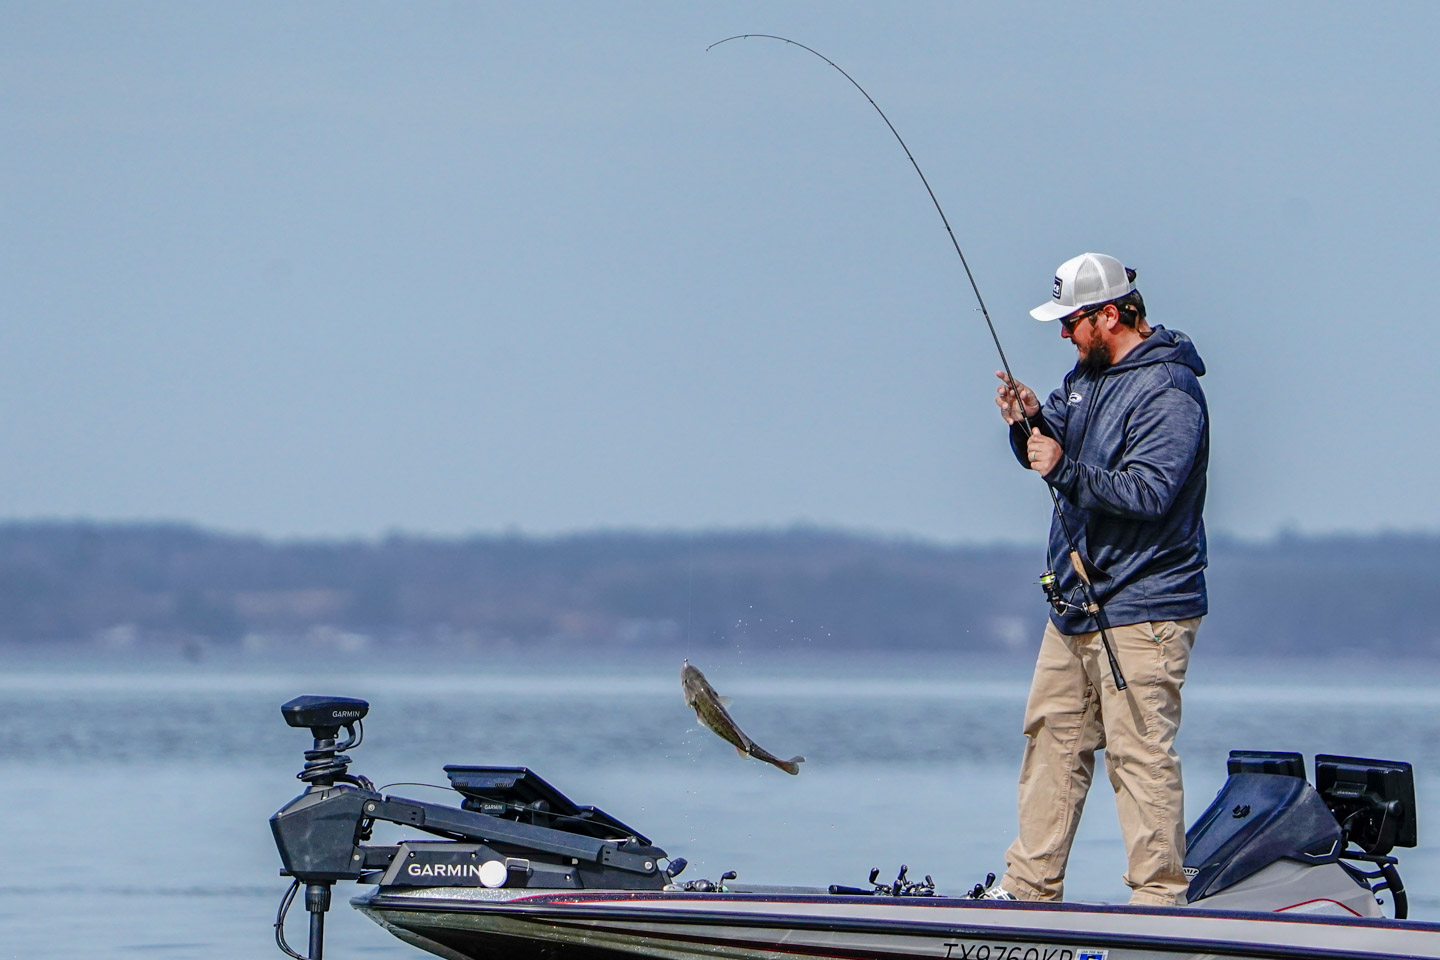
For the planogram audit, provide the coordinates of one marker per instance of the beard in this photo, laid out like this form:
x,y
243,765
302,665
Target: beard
x,y
1096,360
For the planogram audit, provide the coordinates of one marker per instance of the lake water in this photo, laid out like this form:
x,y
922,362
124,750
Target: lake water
x,y
138,796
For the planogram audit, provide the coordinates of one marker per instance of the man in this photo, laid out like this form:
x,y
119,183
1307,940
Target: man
x,y
1125,444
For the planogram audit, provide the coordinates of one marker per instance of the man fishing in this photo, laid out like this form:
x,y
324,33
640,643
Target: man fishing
x,y
1124,443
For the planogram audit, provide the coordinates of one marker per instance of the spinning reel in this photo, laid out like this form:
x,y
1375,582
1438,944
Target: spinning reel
x,y
1053,596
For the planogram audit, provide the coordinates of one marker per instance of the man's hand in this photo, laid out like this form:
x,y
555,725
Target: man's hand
x,y
1042,452
1010,408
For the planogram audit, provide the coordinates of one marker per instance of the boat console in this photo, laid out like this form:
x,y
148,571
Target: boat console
x,y
1271,841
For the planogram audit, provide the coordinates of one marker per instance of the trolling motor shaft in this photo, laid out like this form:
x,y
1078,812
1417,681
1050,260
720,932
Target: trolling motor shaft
x,y
317,902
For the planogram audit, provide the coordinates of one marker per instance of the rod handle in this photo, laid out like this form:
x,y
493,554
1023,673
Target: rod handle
x,y
1094,608
1079,566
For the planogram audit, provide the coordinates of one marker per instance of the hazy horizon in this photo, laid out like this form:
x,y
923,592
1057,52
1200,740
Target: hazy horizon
x,y
1277,536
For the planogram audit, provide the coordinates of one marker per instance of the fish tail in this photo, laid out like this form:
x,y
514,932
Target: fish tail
x,y
791,766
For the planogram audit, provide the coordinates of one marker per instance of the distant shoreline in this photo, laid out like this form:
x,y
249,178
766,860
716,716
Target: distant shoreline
x,y
132,588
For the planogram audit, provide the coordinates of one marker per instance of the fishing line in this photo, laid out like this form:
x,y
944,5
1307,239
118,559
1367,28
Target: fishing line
x,y
943,219
414,783
1092,603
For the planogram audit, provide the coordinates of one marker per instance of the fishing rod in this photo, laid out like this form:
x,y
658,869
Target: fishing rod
x,y
1092,603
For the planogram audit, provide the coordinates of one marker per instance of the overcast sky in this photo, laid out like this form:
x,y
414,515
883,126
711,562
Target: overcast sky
x,y
341,269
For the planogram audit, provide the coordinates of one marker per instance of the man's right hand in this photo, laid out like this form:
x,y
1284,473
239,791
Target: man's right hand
x,y
1010,407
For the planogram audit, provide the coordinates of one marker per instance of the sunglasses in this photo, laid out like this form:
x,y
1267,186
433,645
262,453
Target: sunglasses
x,y
1071,322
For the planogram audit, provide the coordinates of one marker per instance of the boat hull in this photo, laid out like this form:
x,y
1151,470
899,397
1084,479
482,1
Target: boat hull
x,y
479,924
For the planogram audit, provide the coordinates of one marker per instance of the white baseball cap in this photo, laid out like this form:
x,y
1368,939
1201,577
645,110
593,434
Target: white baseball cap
x,y
1084,281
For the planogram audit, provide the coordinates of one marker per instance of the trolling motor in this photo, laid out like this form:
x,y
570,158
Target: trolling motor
x,y
510,829
325,766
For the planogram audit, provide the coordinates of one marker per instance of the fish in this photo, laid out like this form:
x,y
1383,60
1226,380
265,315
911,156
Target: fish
x,y
709,707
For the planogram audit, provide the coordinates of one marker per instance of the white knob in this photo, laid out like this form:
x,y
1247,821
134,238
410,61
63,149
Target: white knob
x,y
493,873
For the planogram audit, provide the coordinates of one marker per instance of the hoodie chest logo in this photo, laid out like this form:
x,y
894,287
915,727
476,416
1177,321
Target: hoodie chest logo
x,y
1073,399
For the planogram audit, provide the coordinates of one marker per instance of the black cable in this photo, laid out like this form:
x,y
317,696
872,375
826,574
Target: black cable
x,y
285,903
1092,602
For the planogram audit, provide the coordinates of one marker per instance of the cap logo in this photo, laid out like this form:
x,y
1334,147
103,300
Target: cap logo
x,y
1058,285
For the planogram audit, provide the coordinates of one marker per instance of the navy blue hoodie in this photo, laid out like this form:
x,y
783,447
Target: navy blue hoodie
x,y
1132,483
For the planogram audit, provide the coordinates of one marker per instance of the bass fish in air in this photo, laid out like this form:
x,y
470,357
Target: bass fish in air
x,y
709,706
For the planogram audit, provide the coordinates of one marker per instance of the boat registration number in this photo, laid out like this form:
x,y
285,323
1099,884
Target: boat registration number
x,y
979,950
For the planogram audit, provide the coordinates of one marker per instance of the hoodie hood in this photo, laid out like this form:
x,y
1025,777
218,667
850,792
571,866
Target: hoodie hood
x,y
1162,346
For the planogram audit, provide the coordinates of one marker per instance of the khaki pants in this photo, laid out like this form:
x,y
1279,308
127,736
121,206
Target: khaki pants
x,y
1074,710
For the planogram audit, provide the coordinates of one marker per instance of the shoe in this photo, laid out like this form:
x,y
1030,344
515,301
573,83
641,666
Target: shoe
x,y
990,890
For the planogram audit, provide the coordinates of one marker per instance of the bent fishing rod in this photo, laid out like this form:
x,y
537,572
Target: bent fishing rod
x,y
1092,603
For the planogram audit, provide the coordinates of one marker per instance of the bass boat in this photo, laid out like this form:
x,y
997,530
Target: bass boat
x,y
1278,867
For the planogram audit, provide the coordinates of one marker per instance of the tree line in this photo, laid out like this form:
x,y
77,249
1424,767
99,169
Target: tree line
x,y
64,582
